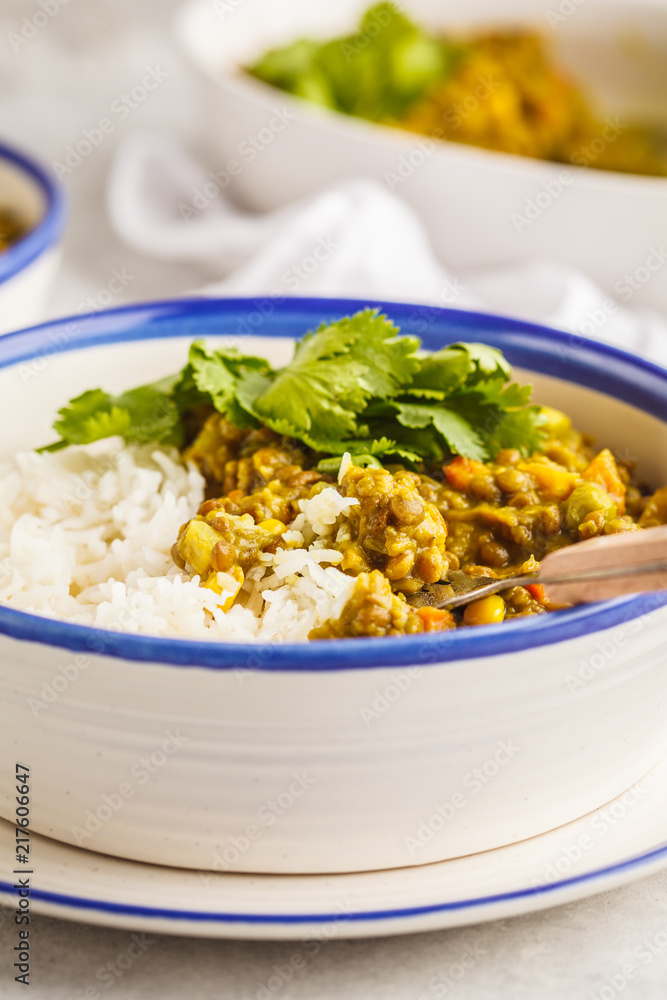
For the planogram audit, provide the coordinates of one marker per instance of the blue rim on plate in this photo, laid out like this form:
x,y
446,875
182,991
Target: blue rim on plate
x,y
360,916
48,230
536,348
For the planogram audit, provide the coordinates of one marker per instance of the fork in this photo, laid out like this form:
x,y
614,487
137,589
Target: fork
x,y
595,570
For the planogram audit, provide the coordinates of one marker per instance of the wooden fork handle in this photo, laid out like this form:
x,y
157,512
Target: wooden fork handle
x,y
628,548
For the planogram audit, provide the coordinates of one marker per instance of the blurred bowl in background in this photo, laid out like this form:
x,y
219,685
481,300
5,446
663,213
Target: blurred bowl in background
x,y
29,265
480,207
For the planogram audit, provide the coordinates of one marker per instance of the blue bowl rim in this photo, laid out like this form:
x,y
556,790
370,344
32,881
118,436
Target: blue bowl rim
x,y
48,230
598,366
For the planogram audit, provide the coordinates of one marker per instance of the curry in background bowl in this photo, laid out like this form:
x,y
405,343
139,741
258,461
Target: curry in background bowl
x,y
499,89
480,206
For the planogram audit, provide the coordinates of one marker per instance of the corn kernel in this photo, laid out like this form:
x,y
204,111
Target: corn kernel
x,y
196,544
273,525
487,611
212,582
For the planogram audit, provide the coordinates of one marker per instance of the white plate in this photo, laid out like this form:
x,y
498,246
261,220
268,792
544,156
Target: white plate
x,y
622,841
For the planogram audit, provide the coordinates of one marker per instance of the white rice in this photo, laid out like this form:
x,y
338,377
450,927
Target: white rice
x,y
86,535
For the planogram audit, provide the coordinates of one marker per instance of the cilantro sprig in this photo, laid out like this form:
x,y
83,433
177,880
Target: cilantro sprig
x,y
375,73
353,385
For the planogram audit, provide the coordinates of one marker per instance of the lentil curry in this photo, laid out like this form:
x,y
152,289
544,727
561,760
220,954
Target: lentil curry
x,y
410,528
431,463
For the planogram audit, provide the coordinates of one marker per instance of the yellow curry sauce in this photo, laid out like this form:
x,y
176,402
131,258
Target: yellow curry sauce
x,y
505,93
410,528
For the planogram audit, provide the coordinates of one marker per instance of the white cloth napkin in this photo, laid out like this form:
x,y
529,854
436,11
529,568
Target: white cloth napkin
x,y
355,239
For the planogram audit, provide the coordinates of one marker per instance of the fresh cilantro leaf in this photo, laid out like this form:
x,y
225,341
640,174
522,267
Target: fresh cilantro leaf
x,y
489,360
388,360
212,376
141,415
375,446
107,422
414,393
443,371
496,392
457,432
72,418
459,366
353,385
332,375
154,415
488,404
522,429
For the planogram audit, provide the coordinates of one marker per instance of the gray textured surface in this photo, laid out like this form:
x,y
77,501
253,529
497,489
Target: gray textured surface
x,y
60,82
575,952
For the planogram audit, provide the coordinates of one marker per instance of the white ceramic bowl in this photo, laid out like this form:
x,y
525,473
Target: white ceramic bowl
x,y
480,207
28,267
339,755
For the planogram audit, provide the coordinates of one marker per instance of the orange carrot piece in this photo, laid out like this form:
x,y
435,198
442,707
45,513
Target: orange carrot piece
x,y
460,471
537,592
435,619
